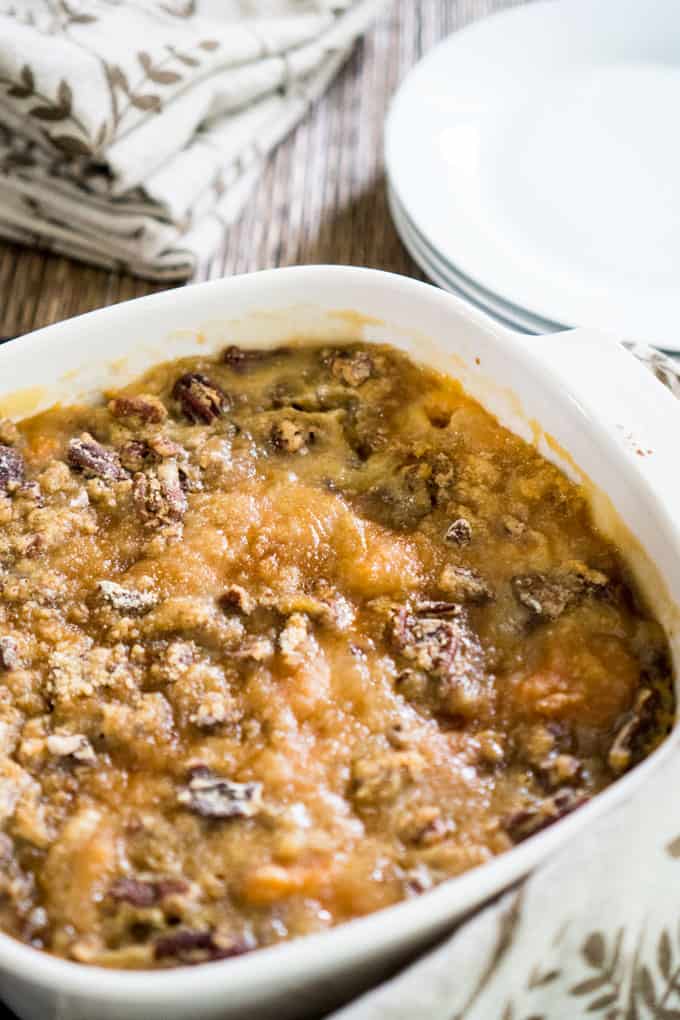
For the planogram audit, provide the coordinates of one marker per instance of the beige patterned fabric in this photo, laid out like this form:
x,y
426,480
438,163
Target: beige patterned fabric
x,y
132,131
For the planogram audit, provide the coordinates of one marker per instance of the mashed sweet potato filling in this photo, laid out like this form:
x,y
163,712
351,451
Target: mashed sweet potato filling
x,y
286,637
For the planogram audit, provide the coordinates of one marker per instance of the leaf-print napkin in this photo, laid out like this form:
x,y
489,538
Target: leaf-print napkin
x,y
594,932
132,131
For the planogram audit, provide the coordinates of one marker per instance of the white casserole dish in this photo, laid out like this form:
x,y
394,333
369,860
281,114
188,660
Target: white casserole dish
x,y
585,401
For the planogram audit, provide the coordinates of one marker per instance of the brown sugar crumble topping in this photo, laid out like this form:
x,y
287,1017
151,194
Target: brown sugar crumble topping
x,y
286,637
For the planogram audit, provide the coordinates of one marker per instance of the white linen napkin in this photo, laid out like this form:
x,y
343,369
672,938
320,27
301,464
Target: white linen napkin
x,y
132,131
594,932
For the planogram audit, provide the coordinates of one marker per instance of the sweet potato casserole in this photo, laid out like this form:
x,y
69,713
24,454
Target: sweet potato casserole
x,y
286,637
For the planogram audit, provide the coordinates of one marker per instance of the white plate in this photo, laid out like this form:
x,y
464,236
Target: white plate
x,y
536,151
438,275
444,275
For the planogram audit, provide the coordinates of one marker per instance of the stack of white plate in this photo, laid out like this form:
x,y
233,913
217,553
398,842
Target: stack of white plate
x,y
533,164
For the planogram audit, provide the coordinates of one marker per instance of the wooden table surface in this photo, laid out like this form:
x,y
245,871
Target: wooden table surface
x,y
322,198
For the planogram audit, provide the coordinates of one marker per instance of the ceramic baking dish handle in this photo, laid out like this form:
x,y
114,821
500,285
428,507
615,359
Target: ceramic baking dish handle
x,y
640,414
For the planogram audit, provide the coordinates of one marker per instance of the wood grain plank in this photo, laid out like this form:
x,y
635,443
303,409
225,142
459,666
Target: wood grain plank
x,y
321,198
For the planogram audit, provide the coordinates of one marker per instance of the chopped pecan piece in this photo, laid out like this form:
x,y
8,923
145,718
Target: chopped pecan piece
x,y
464,585
620,755
127,600
135,454
549,595
446,649
442,476
546,597
145,892
241,360
560,769
12,469
213,796
530,820
288,436
160,496
9,654
590,580
424,825
189,947
513,526
295,640
353,368
418,880
413,684
215,709
9,433
436,645
163,447
236,597
257,647
380,778
87,455
71,745
143,408
459,532
201,399
427,607
326,606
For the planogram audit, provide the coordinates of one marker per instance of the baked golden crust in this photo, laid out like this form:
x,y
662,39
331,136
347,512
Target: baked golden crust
x,y
286,637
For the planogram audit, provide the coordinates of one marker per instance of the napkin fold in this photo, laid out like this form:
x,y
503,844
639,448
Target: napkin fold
x,y
132,131
593,932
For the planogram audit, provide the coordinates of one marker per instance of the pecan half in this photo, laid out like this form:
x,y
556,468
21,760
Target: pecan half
x,y
127,600
12,469
143,408
201,399
213,796
146,893
87,455
528,821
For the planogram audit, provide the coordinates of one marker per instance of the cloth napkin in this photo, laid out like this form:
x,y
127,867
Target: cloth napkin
x,y
132,131
594,932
